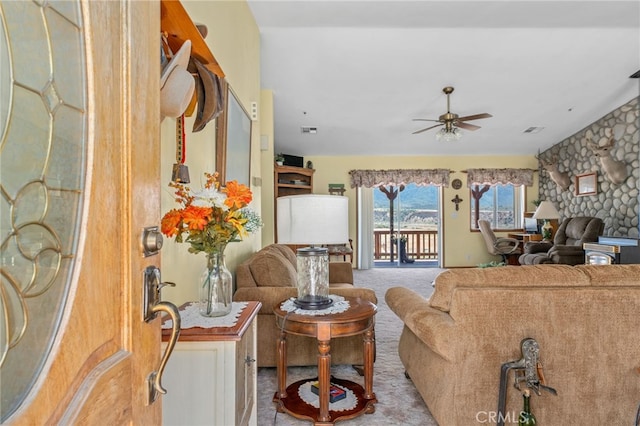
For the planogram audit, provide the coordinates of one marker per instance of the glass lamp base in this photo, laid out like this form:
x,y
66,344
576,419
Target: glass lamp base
x,y
313,302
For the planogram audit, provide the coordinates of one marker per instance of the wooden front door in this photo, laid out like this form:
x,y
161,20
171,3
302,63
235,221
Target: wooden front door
x,y
102,351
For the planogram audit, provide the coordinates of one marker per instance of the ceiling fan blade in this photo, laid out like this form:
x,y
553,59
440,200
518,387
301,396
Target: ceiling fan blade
x,y
428,128
425,119
475,117
465,126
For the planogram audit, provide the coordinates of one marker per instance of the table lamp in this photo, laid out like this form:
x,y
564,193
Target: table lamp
x,y
546,211
315,220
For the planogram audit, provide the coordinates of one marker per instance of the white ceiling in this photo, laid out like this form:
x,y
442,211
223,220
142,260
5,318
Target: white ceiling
x,y
360,71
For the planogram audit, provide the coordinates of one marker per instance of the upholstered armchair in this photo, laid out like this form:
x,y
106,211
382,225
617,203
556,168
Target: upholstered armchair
x,y
567,243
270,276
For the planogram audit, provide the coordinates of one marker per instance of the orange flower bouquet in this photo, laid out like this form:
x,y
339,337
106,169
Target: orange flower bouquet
x,y
212,217
208,220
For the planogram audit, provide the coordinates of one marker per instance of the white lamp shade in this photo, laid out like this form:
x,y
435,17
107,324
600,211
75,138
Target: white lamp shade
x,y
546,211
313,219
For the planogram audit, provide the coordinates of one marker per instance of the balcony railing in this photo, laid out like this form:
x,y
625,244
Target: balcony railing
x,y
421,244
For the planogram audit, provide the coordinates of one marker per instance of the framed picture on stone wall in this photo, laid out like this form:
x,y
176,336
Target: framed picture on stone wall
x,y
586,184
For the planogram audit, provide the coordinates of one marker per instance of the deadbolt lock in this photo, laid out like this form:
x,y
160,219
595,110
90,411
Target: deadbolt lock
x,y
151,240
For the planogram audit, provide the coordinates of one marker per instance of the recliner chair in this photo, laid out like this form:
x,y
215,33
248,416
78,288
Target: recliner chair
x,y
567,243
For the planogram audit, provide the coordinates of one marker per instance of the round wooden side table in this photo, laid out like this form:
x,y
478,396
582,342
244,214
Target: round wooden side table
x,y
357,319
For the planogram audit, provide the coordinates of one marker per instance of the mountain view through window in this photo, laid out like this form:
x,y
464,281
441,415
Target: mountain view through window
x,y
417,208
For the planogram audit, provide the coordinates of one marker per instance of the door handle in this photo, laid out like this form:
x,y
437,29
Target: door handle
x,y
152,305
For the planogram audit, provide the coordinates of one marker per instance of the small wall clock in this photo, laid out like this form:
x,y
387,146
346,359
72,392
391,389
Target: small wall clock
x,y
456,184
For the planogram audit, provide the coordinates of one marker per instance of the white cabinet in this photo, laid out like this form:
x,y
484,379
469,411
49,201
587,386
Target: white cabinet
x,y
211,375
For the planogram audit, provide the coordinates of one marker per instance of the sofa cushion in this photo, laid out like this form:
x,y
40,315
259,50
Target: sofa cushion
x,y
285,250
612,275
504,277
271,268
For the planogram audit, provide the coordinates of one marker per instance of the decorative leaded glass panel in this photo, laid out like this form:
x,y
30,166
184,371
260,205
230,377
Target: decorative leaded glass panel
x,y
43,97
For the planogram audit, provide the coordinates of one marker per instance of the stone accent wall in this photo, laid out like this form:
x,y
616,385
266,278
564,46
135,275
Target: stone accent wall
x,y
616,204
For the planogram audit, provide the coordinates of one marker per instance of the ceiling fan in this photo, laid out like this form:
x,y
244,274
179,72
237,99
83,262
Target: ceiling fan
x,y
451,121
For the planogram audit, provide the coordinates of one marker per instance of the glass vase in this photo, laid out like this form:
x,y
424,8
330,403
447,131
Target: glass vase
x,y
215,287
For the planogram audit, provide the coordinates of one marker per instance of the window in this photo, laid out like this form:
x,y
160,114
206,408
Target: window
x,y
501,205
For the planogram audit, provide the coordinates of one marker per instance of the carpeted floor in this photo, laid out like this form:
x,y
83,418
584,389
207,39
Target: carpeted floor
x,y
398,401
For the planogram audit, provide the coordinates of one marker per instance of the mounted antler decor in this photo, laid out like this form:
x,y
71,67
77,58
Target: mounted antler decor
x,y
614,171
560,178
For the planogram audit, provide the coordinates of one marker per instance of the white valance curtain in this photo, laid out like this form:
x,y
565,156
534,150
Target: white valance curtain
x,y
499,177
374,178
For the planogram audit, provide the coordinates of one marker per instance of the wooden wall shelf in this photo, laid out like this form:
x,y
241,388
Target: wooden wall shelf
x,y
175,21
290,180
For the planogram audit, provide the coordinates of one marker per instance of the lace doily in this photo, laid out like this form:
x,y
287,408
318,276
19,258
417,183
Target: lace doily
x,y
190,317
348,403
339,305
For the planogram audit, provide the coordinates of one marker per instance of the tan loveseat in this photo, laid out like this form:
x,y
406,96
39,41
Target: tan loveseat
x,y
269,277
585,318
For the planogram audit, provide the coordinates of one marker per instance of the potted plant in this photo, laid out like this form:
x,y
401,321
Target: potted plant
x,y
279,158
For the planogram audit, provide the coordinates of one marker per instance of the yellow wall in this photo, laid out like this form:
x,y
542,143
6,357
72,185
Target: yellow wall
x,y
461,246
234,40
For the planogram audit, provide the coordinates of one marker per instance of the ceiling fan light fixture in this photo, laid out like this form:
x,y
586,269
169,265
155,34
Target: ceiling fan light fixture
x,y
451,122
448,135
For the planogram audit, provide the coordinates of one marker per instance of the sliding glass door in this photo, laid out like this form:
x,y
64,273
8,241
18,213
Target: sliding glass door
x,y
406,225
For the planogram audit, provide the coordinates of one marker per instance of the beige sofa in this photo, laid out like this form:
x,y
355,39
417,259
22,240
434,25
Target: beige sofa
x,y
269,276
585,318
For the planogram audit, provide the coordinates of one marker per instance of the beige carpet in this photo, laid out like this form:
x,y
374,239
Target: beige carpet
x,y
398,401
